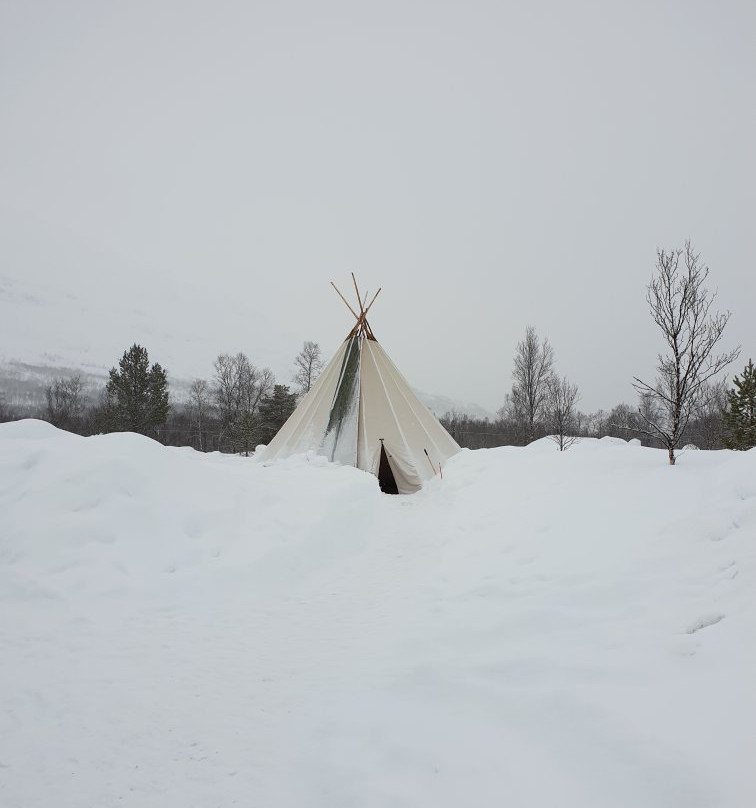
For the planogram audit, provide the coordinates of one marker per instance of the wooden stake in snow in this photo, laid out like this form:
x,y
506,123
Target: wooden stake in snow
x,y
433,468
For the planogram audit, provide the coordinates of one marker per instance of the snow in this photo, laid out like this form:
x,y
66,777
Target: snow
x,y
536,629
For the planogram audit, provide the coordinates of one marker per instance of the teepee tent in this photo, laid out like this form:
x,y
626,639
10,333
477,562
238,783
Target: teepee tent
x,y
361,412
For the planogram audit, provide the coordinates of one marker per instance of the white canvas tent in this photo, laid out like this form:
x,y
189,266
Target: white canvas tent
x,y
361,412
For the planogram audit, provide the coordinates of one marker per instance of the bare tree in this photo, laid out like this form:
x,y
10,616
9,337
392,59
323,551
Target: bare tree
x,y
630,422
648,410
533,365
309,364
680,305
6,413
706,430
621,419
65,402
261,386
597,423
560,411
258,385
480,433
225,392
200,402
238,390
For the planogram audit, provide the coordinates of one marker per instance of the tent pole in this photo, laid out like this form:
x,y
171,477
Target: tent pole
x,y
372,301
365,313
356,317
359,299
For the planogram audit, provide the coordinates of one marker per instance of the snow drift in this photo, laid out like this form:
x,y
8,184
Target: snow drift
x,y
536,629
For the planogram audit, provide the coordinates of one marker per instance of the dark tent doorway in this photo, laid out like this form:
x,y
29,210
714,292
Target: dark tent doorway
x,y
386,479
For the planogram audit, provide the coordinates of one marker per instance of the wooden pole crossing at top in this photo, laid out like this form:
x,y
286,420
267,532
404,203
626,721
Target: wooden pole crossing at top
x,y
361,326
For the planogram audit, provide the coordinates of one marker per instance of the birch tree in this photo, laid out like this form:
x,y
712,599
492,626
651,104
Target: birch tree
x,y
533,363
308,364
680,305
238,390
200,402
65,402
560,411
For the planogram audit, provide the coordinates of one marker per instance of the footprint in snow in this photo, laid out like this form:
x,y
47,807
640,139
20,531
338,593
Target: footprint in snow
x,y
704,622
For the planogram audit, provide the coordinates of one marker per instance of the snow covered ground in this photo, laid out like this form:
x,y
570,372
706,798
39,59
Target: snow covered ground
x,y
536,629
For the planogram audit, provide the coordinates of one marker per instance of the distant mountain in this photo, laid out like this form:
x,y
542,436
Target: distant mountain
x,y
184,327
67,327
22,385
440,405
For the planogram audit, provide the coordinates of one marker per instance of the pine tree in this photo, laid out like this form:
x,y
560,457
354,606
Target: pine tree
x,y
245,432
137,395
740,415
274,411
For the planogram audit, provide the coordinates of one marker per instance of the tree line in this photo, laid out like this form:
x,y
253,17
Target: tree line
x,y
242,405
239,407
687,403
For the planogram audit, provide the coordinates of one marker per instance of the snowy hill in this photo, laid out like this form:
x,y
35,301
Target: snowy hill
x,y
48,328
536,629
441,405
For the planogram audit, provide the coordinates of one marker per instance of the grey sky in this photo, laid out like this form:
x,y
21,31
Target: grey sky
x,y
490,165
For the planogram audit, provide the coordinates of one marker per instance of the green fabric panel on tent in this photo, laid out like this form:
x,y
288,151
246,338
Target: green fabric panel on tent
x,y
344,408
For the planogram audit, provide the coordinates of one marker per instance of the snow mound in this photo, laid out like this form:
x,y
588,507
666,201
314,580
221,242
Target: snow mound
x,y
32,429
536,629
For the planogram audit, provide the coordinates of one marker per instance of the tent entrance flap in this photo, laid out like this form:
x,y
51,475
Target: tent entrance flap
x,y
386,479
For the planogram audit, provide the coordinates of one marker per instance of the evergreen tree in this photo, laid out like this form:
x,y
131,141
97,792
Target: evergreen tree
x,y
136,396
740,416
244,433
274,411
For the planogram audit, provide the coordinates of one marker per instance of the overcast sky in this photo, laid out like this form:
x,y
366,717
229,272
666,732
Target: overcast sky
x,y
489,164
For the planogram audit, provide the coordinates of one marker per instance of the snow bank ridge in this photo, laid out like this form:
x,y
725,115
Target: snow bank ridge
x,y
536,629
